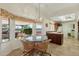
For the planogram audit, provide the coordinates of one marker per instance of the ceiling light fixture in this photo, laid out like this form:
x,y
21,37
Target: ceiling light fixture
x,y
39,12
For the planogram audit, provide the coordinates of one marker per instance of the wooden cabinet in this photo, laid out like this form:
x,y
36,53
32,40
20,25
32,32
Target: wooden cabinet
x,y
78,30
56,38
78,26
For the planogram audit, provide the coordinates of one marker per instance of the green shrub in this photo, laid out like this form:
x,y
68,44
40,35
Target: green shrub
x,y
27,31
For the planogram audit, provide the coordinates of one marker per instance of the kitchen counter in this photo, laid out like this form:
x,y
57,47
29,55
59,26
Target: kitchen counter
x,y
54,32
56,38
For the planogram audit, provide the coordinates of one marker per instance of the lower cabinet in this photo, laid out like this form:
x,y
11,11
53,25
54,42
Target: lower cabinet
x,y
55,38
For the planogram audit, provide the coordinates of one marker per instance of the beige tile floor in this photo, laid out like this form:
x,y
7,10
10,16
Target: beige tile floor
x,y
70,47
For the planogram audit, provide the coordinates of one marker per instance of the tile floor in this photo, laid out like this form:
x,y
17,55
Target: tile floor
x,y
70,47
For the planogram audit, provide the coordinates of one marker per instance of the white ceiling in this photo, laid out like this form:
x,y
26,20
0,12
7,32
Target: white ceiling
x,y
47,10
68,17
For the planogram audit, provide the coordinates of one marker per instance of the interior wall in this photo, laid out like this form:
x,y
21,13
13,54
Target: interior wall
x,y
67,28
48,25
12,44
0,30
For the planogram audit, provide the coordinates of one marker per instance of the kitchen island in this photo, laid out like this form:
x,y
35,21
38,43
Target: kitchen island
x,y
55,37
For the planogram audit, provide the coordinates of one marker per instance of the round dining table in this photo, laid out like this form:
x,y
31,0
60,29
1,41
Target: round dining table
x,y
37,42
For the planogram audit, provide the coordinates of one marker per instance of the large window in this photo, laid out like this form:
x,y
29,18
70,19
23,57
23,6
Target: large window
x,y
38,29
18,28
5,30
23,29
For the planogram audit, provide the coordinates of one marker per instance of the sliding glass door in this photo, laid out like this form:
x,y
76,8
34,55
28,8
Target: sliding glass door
x,y
5,30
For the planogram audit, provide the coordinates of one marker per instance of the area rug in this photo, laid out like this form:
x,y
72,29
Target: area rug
x,y
37,53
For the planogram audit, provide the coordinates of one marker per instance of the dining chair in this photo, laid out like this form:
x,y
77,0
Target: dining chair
x,y
27,47
43,46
